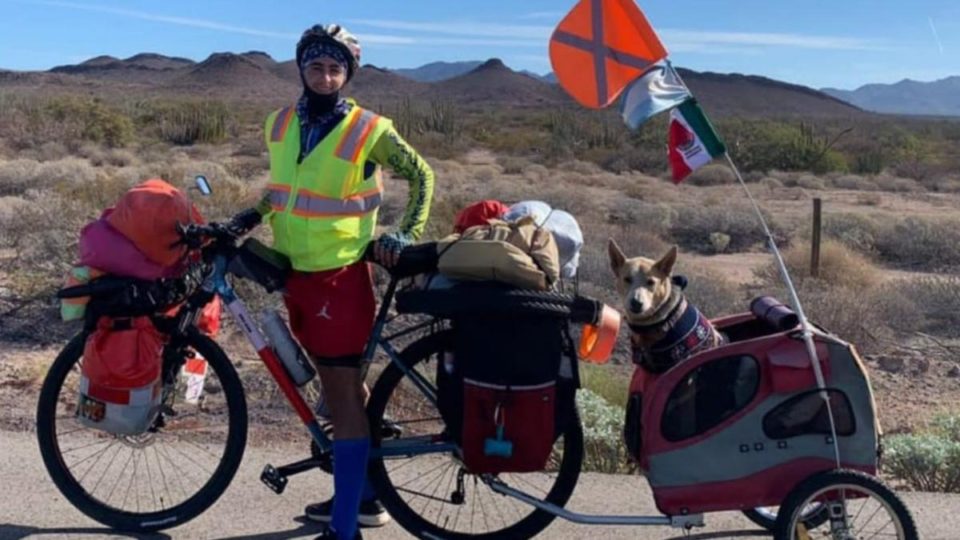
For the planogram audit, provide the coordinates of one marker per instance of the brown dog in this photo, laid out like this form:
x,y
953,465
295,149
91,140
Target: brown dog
x,y
665,328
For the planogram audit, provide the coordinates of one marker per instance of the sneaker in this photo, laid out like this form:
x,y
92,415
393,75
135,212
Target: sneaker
x,y
329,534
372,513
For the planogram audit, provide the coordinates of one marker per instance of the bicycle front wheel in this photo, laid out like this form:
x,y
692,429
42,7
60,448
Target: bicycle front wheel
x,y
158,479
433,494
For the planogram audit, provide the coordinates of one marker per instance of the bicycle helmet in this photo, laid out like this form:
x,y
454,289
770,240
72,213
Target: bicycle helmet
x,y
336,34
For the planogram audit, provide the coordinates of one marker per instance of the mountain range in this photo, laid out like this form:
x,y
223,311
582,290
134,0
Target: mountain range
x,y
938,98
256,76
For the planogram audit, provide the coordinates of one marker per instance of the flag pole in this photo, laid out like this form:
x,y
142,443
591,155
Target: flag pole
x,y
806,328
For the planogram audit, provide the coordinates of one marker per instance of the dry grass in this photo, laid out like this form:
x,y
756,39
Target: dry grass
x,y
839,266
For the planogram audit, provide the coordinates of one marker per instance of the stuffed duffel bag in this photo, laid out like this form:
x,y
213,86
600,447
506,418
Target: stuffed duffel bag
x,y
516,253
120,378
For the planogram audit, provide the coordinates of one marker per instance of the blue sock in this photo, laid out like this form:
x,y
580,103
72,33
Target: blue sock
x,y
368,492
349,478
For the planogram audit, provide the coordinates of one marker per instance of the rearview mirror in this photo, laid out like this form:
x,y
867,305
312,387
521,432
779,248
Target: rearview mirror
x,y
203,186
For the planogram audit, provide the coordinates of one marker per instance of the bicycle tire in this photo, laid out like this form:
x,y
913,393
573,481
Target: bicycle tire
x,y
768,519
496,299
406,517
123,520
837,479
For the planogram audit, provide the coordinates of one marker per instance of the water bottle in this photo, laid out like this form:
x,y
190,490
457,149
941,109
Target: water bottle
x,y
288,350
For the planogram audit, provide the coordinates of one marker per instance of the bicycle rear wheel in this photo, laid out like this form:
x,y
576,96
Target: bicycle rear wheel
x,y
433,495
161,478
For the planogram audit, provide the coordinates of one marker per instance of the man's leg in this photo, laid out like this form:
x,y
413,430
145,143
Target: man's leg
x,y
351,446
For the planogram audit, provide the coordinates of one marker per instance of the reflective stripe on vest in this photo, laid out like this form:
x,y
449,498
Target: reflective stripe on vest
x,y
279,196
281,123
356,136
310,204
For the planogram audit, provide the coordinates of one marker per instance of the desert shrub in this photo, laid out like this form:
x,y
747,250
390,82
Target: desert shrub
x,y
927,461
694,225
602,434
189,122
485,173
711,175
947,185
20,175
711,292
897,184
512,164
855,316
869,199
771,183
856,231
536,173
42,238
653,218
930,304
840,266
809,181
87,119
51,150
719,242
855,182
925,244
244,167
581,167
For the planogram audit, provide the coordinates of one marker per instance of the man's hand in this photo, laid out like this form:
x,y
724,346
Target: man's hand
x,y
243,222
388,247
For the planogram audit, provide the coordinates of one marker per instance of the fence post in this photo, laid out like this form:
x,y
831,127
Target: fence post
x,y
815,239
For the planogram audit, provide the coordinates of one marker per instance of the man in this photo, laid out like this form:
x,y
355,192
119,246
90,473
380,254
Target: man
x,y
325,154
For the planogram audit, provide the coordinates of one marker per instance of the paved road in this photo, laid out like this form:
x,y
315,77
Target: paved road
x,y
31,507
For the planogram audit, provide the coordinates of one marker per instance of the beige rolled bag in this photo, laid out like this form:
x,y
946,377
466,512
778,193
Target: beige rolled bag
x,y
518,253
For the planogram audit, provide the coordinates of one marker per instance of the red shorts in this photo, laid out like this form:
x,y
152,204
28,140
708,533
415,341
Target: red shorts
x,y
332,312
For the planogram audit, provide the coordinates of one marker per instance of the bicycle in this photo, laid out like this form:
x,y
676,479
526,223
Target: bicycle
x,y
417,471
186,460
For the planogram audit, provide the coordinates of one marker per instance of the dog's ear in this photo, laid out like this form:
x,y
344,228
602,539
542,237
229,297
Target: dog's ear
x,y
665,264
617,258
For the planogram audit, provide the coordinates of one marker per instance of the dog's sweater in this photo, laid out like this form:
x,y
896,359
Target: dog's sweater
x,y
685,331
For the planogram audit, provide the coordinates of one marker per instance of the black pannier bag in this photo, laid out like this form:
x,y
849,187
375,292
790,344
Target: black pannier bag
x,y
501,393
255,261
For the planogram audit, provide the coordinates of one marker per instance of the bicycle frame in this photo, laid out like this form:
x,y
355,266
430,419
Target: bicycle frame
x,y
216,282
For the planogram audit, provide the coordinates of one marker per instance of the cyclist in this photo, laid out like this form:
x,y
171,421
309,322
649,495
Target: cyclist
x,y
325,158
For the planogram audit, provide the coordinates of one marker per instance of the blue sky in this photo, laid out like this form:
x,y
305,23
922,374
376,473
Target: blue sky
x,y
840,43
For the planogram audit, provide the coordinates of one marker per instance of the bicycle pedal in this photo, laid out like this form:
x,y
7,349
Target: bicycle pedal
x,y
273,479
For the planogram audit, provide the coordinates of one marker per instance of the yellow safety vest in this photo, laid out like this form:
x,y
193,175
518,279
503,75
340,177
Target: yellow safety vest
x,y
324,212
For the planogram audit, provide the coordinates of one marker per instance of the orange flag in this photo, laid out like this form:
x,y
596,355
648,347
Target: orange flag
x,y
600,47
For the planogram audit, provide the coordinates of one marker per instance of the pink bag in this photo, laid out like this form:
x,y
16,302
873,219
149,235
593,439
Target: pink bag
x,y
104,248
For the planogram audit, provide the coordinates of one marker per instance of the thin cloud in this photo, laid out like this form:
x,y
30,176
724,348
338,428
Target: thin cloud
x,y
936,36
202,23
674,37
467,29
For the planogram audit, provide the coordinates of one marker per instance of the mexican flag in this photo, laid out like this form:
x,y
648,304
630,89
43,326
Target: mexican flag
x,y
692,141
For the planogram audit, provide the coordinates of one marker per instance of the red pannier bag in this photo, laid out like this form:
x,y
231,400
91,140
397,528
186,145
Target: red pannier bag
x,y
505,385
507,429
120,379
